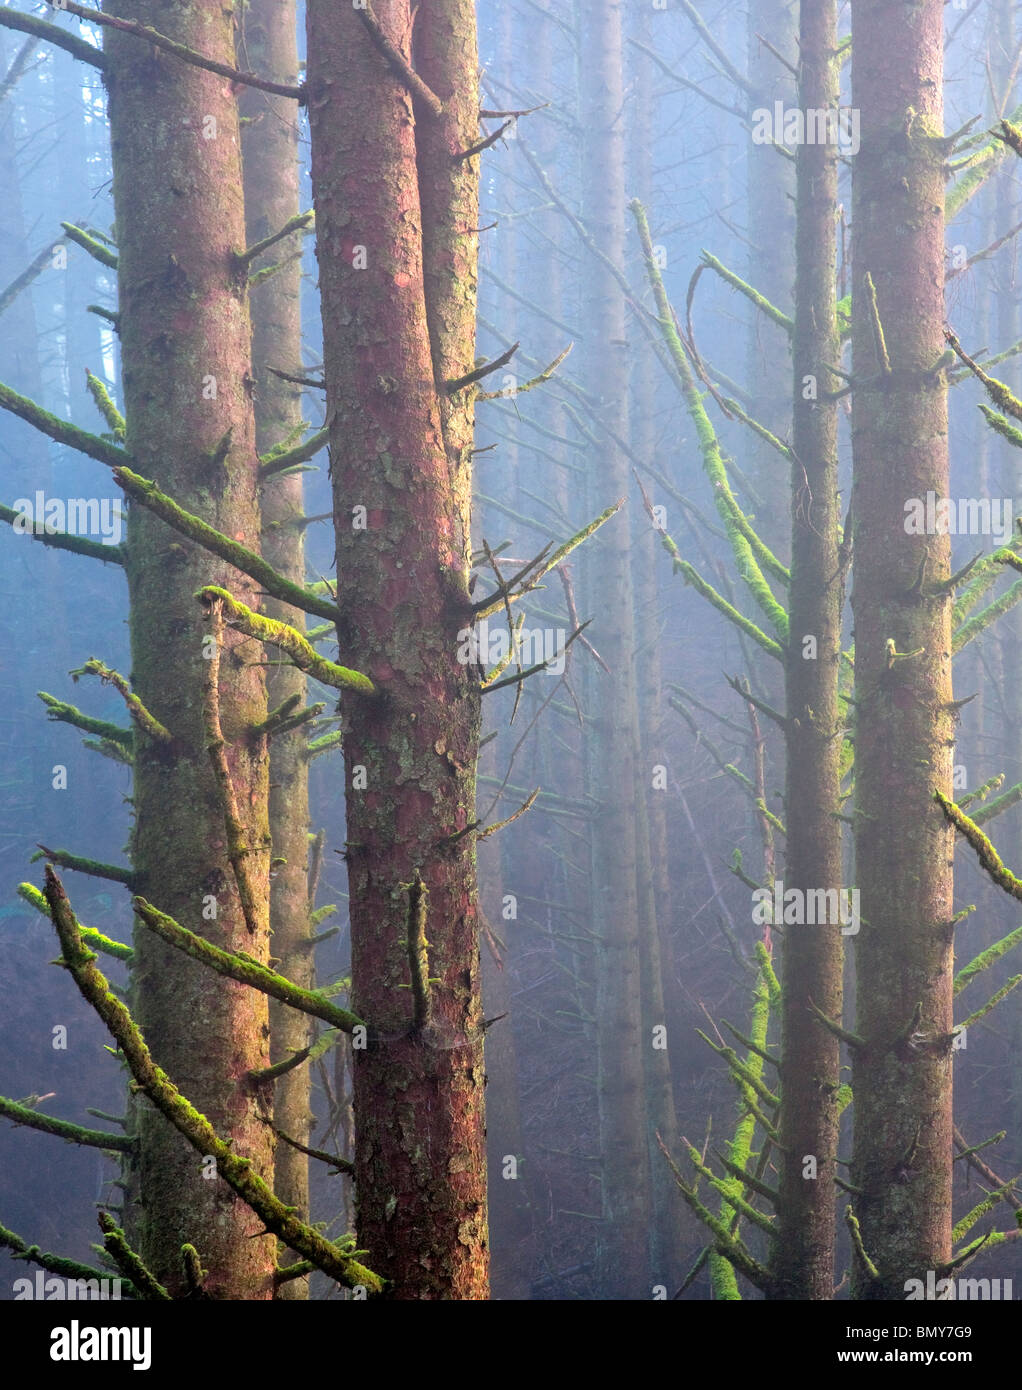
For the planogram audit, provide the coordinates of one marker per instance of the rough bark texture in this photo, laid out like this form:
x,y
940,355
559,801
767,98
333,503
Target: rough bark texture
x,y
621,1043
812,955
397,280
270,159
187,390
905,726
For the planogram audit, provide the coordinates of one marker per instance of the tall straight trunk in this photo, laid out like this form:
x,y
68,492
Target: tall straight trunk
x,y
624,1244
660,996
905,724
397,275
812,955
270,160
771,262
185,344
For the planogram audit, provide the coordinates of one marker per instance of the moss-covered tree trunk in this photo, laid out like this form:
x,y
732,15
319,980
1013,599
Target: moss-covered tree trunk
x,y
187,389
270,159
396,221
614,739
904,722
812,955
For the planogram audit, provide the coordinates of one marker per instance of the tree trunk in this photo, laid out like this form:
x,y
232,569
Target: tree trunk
x,y
614,739
270,158
397,276
812,955
905,725
187,389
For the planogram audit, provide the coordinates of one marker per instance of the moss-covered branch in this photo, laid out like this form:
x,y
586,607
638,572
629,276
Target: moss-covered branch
x,y
965,1225
64,1129
246,971
70,714
1002,427
278,460
298,223
116,1245
1001,803
94,247
238,848
56,1264
95,939
727,1188
105,405
288,639
236,1171
728,1246
998,392
753,296
991,1003
42,29
417,947
986,959
82,865
61,540
852,1222
692,576
148,495
61,431
739,1150
980,621
141,717
745,544
982,575
985,852
316,747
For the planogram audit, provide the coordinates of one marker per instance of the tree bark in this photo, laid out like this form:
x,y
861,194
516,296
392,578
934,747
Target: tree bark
x,y
624,1263
904,720
812,955
270,161
187,389
396,241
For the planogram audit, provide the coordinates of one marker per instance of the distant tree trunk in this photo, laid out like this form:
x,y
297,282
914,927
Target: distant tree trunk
x,y
396,218
187,389
771,267
614,740
812,955
905,725
270,159
657,916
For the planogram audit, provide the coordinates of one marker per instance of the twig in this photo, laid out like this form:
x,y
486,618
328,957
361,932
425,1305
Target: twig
x,y
179,50
397,61
238,850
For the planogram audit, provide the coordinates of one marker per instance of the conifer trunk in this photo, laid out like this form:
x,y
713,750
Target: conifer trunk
x,y
187,389
613,739
812,955
270,161
397,276
904,723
